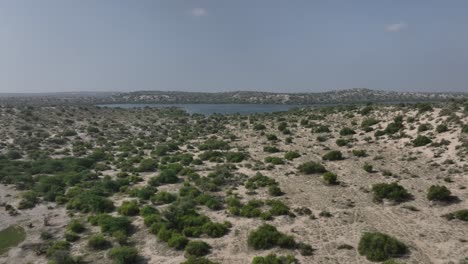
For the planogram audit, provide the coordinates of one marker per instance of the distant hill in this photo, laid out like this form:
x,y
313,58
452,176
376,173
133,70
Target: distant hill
x,y
355,95
339,96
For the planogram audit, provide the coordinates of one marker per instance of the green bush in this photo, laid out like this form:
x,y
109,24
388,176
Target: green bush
x,y
147,165
271,149
271,137
420,141
290,155
71,236
274,259
129,208
198,260
438,193
215,229
29,200
359,152
163,197
197,248
341,142
442,128
75,226
110,224
259,127
347,131
333,155
274,190
330,178
380,247
369,122
460,215
124,255
177,241
267,236
166,176
311,167
392,191
235,157
98,242
274,160
465,129
58,246
368,167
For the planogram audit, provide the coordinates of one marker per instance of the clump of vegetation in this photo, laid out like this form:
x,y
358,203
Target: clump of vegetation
x,y
421,140
124,255
290,155
368,167
274,160
271,149
439,193
198,260
391,191
267,236
75,226
330,178
460,215
98,242
274,259
380,247
347,131
441,128
311,167
333,155
359,152
197,248
129,208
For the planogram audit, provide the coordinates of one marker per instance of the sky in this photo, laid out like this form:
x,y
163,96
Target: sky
x,y
221,45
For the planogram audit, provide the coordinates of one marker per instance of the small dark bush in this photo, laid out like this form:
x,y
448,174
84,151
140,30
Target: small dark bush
x,y
392,191
98,242
380,247
420,141
330,178
333,155
438,193
274,259
197,248
124,255
311,168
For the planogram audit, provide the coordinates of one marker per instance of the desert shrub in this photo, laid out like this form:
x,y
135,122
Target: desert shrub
x,y
29,200
369,122
166,176
271,137
267,236
311,167
98,242
89,202
124,255
259,127
347,131
460,215
465,128
277,208
235,157
438,193
391,191
75,226
71,236
163,197
147,165
215,229
341,142
421,140
110,224
259,180
274,160
359,152
274,190
441,128
58,246
271,149
424,127
368,167
333,155
13,155
198,260
197,248
380,247
290,155
129,208
274,259
214,144
330,178
321,129
423,107
177,241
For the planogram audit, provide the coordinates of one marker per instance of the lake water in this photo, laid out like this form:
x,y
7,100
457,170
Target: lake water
x,y
208,109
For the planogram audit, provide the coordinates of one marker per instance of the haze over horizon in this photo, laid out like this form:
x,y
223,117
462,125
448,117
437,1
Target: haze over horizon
x,y
215,46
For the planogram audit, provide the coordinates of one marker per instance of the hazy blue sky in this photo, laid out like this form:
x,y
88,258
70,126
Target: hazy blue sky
x,y
220,45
